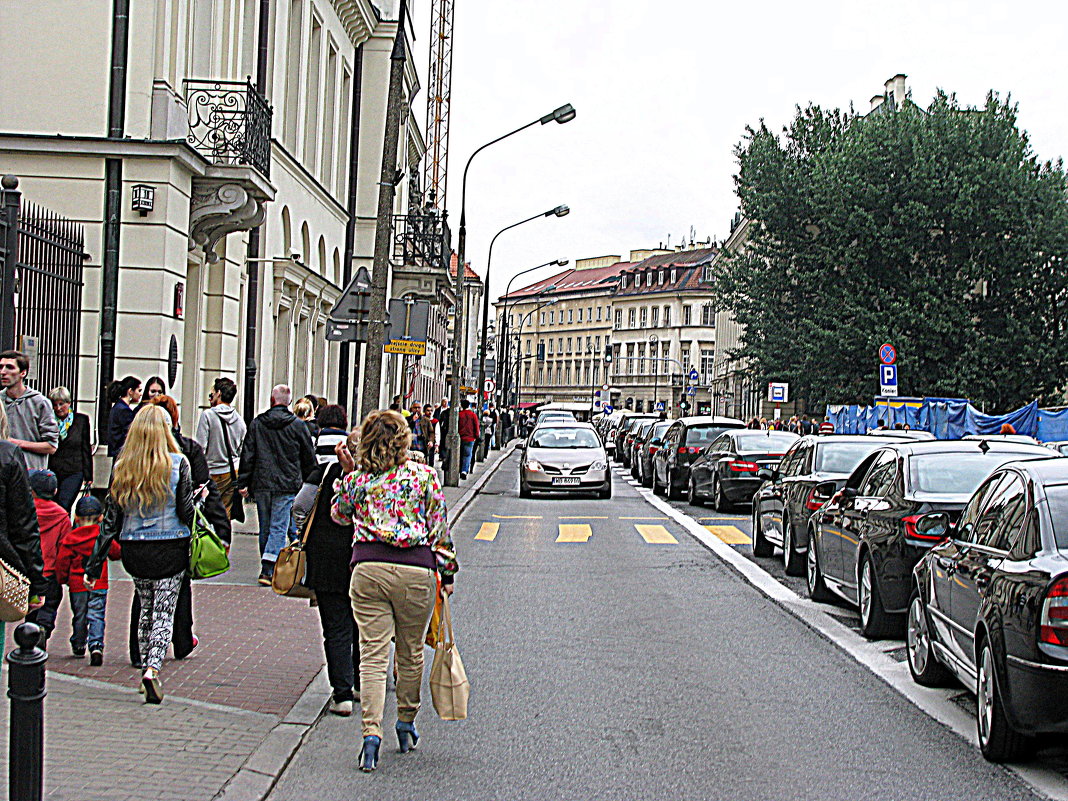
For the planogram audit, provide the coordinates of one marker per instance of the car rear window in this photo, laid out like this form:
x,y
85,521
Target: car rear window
x,y
763,442
703,435
1057,500
956,473
843,457
565,438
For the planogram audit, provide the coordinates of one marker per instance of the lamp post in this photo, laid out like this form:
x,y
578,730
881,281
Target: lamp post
x,y
506,382
518,344
565,113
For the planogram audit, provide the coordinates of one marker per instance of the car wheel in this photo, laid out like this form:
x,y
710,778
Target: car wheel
x,y
817,587
924,666
792,561
761,546
875,623
643,476
674,492
719,500
524,490
657,488
998,741
692,497
605,493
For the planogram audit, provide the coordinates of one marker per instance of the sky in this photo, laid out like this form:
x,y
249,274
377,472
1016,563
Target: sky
x,y
664,92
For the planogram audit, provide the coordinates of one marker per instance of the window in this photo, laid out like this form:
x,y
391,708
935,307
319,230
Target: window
x,y
542,322
881,476
674,275
541,374
587,373
552,317
667,316
660,278
596,372
684,355
559,344
686,311
580,314
607,313
637,280
622,282
571,315
567,375
619,319
644,317
1003,519
559,372
589,344
589,313
630,318
708,316
550,346
708,359
598,314
641,358
569,344
597,346
526,374
629,369
655,320
529,343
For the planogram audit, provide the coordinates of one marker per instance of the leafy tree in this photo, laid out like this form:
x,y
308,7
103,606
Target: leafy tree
x,y
937,230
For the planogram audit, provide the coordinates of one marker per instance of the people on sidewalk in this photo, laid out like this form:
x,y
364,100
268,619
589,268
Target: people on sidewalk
x,y
73,460
468,426
124,397
154,387
150,510
329,551
401,540
333,428
53,521
276,457
221,432
87,607
428,430
31,421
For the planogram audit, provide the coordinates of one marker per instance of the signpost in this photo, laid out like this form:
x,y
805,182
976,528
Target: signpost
x,y
409,322
659,406
778,392
607,408
693,376
888,380
887,354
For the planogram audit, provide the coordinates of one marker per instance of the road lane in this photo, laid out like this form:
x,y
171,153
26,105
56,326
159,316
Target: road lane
x,y
618,668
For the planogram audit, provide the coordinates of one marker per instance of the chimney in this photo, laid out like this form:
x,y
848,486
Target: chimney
x,y
876,101
889,93
899,90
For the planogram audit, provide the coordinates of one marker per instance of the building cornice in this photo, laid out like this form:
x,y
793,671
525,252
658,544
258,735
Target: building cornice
x,y
104,147
359,17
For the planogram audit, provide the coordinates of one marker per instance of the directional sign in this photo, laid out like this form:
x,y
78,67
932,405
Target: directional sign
x,y
887,354
608,408
888,380
659,406
693,376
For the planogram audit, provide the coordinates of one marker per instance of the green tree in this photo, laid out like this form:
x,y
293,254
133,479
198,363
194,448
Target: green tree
x,y
937,230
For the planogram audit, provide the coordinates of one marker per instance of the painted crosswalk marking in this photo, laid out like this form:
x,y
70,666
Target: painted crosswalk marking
x,y
488,532
518,517
656,535
574,532
732,535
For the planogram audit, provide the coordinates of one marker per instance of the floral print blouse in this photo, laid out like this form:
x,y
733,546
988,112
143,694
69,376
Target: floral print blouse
x,y
403,507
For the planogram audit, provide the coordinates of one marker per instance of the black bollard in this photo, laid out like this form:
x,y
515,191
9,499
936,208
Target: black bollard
x,y
26,689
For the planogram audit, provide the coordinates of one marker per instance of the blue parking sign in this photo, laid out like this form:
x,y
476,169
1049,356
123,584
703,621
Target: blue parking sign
x,y
888,380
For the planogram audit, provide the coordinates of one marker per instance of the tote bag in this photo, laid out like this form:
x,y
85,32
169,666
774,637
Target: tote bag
x,y
207,552
449,687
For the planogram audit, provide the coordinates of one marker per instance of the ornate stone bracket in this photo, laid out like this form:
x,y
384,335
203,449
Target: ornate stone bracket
x,y
217,208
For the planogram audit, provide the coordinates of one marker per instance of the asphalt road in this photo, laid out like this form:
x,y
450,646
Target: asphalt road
x,y
635,664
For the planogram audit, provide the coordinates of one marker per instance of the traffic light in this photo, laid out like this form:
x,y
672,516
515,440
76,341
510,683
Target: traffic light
x,y
607,352
630,403
684,405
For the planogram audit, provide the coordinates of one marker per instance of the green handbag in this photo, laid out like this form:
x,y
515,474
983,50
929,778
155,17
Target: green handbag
x,y
207,553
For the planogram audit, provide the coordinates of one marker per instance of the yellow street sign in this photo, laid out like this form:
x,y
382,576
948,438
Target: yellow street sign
x,y
407,347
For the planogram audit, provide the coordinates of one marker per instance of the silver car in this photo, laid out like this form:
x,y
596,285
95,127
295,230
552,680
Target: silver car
x,y
565,458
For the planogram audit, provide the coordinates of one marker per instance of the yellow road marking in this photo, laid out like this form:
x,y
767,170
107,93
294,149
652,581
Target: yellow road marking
x,y
582,517
518,517
732,535
723,518
643,518
488,532
656,535
574,532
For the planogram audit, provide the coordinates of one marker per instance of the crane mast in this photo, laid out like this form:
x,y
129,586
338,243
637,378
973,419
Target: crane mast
x,y
439,97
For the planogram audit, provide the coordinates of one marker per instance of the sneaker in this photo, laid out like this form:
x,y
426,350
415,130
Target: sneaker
x,y
77,653
96,657
463,476
153,687
342,708
196,642
264,580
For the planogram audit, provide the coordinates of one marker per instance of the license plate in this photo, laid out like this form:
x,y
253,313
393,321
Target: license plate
x,y
565,481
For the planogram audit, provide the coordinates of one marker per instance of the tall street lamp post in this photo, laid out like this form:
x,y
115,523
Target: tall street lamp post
x,y
506,384
565,113
518,347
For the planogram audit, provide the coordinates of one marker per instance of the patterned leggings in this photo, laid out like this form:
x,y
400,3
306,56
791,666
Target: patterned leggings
x,y
159,597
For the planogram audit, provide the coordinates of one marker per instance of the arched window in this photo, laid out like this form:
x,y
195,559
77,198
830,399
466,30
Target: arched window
x,y
287,231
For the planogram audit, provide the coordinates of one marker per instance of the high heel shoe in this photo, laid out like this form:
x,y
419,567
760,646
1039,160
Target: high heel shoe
x,y
404,732
369,755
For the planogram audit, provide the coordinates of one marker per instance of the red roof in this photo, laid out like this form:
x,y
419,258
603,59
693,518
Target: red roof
x,y
468,272
571,281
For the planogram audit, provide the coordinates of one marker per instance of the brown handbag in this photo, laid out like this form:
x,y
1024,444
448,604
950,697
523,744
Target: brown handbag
x,y
449,687
292,563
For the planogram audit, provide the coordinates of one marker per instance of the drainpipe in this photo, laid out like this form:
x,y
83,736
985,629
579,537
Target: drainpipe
x,y
351,351
109,280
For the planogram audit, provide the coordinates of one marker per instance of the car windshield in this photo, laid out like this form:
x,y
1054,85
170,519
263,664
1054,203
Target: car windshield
x,y
1057,499
565,438
842,457
660,428
703,435
764,442
956,473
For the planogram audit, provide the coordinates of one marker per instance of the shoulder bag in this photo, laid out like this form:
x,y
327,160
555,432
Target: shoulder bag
x,y
237,503
449,687
14,594
292,563
207,552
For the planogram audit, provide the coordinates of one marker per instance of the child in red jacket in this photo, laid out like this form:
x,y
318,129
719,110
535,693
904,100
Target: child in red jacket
x,y
87,606
54,523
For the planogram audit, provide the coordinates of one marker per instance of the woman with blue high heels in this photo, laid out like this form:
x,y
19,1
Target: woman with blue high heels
x,y
401,540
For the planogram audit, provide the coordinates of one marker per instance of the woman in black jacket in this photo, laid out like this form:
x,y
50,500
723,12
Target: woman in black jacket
x,y
73,460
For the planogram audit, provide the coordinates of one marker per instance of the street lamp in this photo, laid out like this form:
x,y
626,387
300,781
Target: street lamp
x,y
506,376
558,211
519,340
563,114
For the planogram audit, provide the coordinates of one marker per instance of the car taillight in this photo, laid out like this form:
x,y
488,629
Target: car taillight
x,y
742,467
653,449
912,534
1053,626
683,449
814,500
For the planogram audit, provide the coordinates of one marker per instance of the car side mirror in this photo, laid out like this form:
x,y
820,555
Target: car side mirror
x,y
768,474
849,494
933,526
522,446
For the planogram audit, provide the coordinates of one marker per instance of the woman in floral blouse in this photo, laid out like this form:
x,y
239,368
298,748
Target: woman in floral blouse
x,y
401,541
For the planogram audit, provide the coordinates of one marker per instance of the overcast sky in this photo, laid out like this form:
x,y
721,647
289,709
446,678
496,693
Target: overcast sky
x,y
664,91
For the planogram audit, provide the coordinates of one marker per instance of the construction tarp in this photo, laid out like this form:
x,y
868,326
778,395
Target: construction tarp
x,y
947,418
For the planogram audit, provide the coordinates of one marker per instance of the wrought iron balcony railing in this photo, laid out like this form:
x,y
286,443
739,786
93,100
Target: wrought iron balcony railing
x,y
423,238
230,123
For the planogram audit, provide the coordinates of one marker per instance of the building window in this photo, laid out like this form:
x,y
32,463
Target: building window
x,y
708,316
587,371
560,345
655,317
597,346
684,357
619,319
660,277
622,282
567,375
550,346
686,318
631,318
541,374
708,360
526,374
641,358
644,318
569,344
629,369
571,315
580,314
637,280
596,372
552,317
542,322
598,314
589,313
674,275
607,313
559,372
529,341
667,317
589,344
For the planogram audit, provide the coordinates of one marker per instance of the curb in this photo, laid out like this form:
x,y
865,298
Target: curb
x,y
465,500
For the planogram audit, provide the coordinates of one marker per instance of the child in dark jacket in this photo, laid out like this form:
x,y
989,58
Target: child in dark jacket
x,y
87,606
54,523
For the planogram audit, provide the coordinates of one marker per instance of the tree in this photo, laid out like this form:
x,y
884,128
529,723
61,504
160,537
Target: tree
x,y
937,230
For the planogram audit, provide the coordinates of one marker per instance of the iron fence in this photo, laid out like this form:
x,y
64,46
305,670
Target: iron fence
x,y
423,238
230,123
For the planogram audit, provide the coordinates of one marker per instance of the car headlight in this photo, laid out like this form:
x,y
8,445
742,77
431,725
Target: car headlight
x,y
534,465
598,466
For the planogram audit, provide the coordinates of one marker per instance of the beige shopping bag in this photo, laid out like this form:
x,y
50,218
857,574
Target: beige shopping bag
x,y
449,688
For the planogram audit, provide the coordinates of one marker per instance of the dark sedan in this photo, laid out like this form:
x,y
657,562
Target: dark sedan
x,y
812,471
684,440
990,605
864,541
653,441
726,471
626,425
631,438
636,440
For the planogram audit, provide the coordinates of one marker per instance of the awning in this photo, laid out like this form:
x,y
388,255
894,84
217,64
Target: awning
x,y
530,405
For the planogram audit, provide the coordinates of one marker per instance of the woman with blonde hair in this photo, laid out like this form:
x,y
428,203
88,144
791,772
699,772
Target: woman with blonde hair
x,y
401,540
150,509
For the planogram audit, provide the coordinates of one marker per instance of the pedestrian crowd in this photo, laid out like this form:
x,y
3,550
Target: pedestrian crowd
x,y
797,425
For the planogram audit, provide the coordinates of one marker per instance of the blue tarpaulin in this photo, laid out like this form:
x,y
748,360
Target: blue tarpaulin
x,y
947,418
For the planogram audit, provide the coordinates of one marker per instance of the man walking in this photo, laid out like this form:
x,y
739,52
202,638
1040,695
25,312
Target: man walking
x,y
30,415
468,425
221,432
276,457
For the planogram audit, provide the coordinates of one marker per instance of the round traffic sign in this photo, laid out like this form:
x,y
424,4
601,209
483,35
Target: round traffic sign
x,y
887,354
490,385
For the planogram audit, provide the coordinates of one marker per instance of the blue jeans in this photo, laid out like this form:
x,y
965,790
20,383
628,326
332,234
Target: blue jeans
x,y
69,486
467,449
275,511
87,619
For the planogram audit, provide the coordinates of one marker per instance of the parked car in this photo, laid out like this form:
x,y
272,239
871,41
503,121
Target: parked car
x,y
629,423
635,439
864,542
901,433
812,471
629,439
1003,438
990,605
649,445
564,458
1060,446
726,471
553,415
683,441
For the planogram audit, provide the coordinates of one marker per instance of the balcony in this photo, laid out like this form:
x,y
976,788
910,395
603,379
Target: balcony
x,y
422,250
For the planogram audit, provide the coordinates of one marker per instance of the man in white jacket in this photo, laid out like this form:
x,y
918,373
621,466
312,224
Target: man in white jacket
x,y
221,432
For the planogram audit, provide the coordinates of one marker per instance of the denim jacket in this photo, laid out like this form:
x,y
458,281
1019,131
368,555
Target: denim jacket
x,y
172,521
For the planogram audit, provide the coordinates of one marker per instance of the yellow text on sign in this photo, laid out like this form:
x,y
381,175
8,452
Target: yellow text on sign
x,y
656,535
732,535
574,532
488,532
408,347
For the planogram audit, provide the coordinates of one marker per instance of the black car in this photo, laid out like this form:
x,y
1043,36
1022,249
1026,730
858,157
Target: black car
x,y
627,440
684,440
864,541
990,604
627,425
726,471
653,441
636,438
812,471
